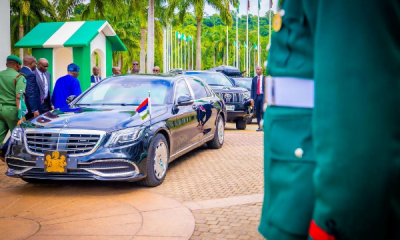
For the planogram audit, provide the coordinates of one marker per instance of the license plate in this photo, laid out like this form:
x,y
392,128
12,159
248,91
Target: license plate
x,y
55,162
230,107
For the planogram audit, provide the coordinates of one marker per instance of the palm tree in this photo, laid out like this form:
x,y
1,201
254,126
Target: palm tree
x,y
95,9
29,11
150,37
221,6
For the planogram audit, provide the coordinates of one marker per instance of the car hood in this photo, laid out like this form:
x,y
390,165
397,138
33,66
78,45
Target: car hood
x,y
94,118
231,89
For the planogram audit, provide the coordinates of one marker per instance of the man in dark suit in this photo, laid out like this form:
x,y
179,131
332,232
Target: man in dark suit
x,y
95,78
38,93
28,70
257,94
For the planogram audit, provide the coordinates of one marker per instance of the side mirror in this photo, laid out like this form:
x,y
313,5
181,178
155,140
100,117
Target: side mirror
x,y
184,101
232,80
70,99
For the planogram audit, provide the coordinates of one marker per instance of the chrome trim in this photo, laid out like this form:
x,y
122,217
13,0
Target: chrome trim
x,y
112,175
20,171
93,170
64,131
20,159
174,101
182,150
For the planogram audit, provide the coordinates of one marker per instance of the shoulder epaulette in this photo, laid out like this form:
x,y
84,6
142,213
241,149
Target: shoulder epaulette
x,y
15,79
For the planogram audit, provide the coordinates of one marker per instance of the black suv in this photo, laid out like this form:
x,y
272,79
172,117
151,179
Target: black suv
x,y
235,97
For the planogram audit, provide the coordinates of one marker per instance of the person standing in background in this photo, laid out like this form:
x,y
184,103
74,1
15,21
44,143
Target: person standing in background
x,y
135,68
66,86
39,91
257,94
28,70
116,71
95,78
12,83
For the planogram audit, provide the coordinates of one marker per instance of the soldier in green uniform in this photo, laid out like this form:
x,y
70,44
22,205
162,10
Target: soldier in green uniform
x,y
351,122
11,83
288,142
356,124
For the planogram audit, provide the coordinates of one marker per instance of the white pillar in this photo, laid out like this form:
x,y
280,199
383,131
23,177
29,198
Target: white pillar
x,y
5,42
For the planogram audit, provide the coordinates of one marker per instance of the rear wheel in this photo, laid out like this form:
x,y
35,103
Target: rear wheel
x,y
219,135
157,162
241,124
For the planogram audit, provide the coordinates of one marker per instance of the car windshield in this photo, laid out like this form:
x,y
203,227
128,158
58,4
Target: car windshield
x,y
212,79
245,83
126,91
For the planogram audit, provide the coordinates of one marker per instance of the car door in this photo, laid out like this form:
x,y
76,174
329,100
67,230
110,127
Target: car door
x,y
183,132
205,109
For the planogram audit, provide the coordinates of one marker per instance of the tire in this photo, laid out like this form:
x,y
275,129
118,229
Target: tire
x,y
219,135
241,124
249,120
158,153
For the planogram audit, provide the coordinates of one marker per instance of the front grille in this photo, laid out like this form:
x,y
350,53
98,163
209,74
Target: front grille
x,y
71,142
231,97
102,168
79,172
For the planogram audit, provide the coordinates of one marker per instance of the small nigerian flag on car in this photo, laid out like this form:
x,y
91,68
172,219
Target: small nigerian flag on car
x,y
144,108
22,111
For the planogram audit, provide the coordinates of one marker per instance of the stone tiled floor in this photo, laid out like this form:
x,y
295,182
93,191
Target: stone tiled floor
x,y
234,171
235,222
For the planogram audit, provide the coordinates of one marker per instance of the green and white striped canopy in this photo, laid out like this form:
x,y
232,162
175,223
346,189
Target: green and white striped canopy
x,y
69,34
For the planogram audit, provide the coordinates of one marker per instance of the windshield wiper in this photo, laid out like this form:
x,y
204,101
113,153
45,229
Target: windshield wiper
x,y
83,104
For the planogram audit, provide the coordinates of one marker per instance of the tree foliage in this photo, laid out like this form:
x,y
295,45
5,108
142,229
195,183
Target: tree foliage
x,y
128,17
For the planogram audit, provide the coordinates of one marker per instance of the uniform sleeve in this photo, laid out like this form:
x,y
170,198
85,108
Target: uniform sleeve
x,y
20,85
76,90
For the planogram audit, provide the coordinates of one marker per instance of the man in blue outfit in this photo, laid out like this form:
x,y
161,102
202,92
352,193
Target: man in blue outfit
x,y
66,86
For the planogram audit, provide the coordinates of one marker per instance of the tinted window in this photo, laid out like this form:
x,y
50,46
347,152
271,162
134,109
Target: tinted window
x,y
198,88
126,91
182,90
212,79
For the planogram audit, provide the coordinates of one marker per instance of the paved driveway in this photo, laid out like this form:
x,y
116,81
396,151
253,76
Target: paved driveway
x,y
207,194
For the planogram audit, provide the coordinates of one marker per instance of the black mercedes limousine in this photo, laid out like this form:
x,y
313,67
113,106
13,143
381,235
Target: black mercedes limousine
x,y
115,131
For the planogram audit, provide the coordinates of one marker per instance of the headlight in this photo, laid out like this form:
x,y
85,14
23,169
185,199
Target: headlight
x,y
16,134
246,95
124,138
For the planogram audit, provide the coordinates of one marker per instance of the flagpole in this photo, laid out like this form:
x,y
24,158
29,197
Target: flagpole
x,y
258,34
167,49
255,60
149,102
227,45
175,50
247,42
164,50
237,40
192,51
185,46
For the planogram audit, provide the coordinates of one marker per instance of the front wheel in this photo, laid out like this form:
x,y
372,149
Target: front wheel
x,y
157,162
241,124
219,135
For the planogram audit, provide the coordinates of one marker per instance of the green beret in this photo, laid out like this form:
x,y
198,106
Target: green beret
x,y
14,58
